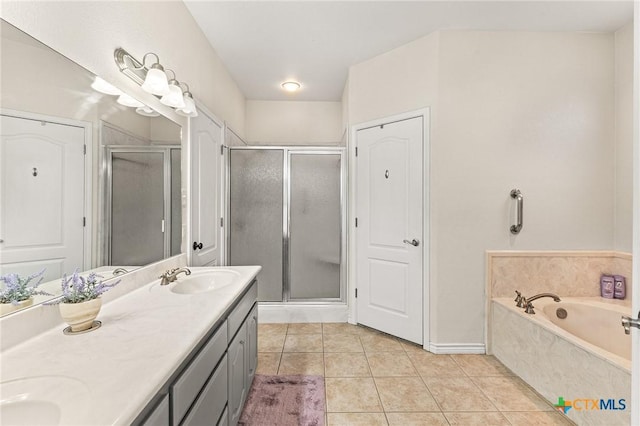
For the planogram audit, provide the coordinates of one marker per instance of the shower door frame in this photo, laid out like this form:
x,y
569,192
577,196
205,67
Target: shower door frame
x,y
289,150
108,191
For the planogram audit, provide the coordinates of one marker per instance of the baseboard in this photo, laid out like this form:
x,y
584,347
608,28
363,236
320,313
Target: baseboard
x,y
285,313
457,348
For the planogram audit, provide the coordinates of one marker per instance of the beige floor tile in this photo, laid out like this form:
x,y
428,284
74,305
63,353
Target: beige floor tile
x,y
272,328
390,364
346,365
301,363
270,343
458,394
411,347
539,418
342,343
362,330
481,365
356,419
405,394
477,419
508,393
352,395
416,419
430,365
379,343
304,328
268,362
303,343
339,328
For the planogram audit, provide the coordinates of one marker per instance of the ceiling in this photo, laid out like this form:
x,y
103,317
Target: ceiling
x,y
263,43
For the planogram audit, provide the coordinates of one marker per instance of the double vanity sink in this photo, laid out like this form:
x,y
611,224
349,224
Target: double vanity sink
x,y
149,339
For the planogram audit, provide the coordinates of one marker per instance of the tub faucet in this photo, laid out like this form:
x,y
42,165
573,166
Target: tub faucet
x,y
119,271
171,275
519,299
529,306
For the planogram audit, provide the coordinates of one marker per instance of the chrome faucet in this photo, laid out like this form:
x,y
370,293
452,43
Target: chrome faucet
x,y
529,306
171,275
519,299
119,271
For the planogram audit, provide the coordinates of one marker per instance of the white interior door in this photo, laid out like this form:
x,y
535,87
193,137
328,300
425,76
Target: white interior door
x,y
389,235
206,186
41,197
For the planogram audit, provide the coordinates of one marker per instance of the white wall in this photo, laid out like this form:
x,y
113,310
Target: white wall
x,y
624,138
533,111
293,123
88,32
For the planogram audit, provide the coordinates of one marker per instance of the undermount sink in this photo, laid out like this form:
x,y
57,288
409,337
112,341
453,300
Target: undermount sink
x,y
41,400
203,281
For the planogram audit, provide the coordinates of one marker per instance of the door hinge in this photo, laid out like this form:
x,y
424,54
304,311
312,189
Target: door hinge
x,y
356,293
84,147
84,221
356,151
356,222
222,222
221,149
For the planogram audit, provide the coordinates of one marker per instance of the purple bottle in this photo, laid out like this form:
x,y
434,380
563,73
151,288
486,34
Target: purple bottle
x,y
606,286
619,287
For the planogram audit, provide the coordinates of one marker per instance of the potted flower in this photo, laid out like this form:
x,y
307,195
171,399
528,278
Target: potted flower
x,y
80,301
17,292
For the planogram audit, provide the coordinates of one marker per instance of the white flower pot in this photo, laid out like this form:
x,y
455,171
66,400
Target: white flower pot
x,y
80,316
7,308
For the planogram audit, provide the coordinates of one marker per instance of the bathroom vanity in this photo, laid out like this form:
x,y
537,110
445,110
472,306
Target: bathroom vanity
x,y
183,353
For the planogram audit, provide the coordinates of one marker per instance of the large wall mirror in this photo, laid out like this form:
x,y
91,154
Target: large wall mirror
x,y
88,180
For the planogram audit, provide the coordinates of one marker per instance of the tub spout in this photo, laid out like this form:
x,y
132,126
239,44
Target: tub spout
x,y
541,295
529,306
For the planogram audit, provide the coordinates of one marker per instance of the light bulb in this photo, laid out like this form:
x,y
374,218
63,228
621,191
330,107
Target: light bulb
x,y
156,81
127,100
174,98
290,86
103,87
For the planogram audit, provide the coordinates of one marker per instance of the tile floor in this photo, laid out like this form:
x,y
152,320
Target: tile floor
x,y
375,379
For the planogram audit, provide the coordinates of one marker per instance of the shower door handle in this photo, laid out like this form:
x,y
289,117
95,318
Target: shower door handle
x,y
515,193
413,242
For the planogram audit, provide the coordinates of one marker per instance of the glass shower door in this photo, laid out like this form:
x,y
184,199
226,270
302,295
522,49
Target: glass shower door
x,y
256,215
314,226
137,208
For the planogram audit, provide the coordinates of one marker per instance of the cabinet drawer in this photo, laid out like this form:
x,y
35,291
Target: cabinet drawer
x,y
188,385
242,309
212,400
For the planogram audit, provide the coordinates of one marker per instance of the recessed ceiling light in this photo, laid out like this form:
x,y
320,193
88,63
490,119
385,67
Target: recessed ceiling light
x,y
291,86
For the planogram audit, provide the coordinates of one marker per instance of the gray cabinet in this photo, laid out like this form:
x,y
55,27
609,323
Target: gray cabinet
x,y
212,387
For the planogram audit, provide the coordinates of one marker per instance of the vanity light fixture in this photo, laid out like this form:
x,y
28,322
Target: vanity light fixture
x,y
103,87
127,100
291,86
153,79
174,97
189,109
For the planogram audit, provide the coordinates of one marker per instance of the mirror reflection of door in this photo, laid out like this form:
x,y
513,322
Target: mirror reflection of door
x,y
143,205
41,196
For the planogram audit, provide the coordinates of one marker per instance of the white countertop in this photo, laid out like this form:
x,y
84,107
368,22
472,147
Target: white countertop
x,y
114,371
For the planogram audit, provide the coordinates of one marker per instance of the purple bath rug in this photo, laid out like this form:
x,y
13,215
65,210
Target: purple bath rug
x,y
284,401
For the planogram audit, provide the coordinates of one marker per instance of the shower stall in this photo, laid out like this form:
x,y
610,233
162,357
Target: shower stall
x,y
142,204
286,211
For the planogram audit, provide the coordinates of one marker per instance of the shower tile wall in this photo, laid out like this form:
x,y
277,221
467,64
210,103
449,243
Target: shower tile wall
x,y
569,273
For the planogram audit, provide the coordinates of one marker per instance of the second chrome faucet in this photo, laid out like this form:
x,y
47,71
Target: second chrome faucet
x,y
528,306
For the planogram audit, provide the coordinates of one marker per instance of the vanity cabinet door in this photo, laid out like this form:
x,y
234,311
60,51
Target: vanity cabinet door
x,y
252,345
237,394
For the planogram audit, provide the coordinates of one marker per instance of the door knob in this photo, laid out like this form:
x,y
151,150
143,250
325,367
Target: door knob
x,y
413,242
197,246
